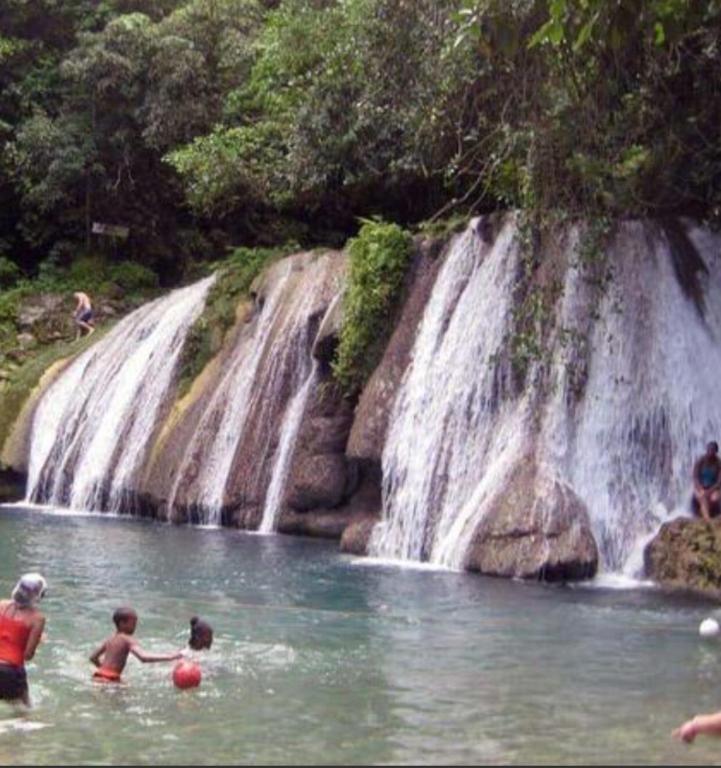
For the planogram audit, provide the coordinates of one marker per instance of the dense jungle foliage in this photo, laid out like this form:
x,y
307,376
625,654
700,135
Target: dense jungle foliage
x,y
200,124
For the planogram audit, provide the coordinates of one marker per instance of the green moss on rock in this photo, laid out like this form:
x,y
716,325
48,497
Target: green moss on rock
x,y
379,259
686,553
19,382
235,277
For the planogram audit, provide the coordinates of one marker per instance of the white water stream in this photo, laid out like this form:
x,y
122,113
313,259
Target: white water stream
x,y
270,377
454,433
626,445
292,420
92,428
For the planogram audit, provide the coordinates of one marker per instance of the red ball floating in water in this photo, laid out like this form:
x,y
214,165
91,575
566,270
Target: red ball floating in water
x,y
186,674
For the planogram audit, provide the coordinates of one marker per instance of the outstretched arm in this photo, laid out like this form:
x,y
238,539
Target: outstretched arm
x,y
95,658
146,657
709,724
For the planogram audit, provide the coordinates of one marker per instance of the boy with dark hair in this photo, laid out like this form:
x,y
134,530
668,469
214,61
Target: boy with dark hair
x,y
201,634
115,649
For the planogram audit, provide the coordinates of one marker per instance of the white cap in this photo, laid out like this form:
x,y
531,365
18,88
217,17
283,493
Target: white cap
x,y
29,590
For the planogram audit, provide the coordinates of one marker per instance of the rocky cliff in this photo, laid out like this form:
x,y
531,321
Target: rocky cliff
x,y
534,413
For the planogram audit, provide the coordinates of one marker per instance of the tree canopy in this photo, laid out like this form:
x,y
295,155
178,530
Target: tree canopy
x,y
201,123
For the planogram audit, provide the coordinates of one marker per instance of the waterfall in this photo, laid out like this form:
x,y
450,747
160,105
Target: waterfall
x,y
242,446
281,466
650,402
92,429
221,426
623,440
454,430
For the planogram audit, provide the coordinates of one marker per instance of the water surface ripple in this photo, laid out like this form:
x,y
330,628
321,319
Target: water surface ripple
x,y
319,660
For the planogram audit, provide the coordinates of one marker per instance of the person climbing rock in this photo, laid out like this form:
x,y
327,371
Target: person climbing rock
x,y
83,314
707,483
21,628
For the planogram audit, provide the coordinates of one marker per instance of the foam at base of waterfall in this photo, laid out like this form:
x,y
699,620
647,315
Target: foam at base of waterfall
x,y
410,565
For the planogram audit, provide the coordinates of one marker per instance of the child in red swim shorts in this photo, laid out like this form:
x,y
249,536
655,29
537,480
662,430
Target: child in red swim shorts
x,y
115,650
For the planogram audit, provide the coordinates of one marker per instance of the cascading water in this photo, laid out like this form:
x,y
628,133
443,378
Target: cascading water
x,y
247,430
624,440
221,427
453,431
650,400
281,466
93,427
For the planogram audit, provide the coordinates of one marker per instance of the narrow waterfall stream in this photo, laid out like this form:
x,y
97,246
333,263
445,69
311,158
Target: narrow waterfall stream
x,y
281,465
93,427
624,444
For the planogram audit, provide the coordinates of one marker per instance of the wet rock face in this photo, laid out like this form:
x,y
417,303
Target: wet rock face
x,y
12,486
319,482
686,553
326,340
356,536
238,407
376,402
536,529
319,475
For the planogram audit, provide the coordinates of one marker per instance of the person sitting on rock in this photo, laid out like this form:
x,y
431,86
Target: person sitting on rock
x,y
707,483
83,314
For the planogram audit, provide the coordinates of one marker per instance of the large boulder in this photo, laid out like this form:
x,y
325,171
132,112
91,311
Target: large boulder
x,y
321,477
686,553
318,481
46,316
321,523
535,528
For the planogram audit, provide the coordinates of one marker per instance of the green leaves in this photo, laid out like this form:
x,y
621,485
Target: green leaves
x,y
379,258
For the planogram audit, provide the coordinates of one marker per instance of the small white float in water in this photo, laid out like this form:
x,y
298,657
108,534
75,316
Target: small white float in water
x,y
708,628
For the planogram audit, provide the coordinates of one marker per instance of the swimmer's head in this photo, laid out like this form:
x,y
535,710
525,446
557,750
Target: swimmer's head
x,y
201,634
125,619
30,590
712,448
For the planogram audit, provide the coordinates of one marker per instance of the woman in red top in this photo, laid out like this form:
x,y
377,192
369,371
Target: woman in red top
x,y
21,627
